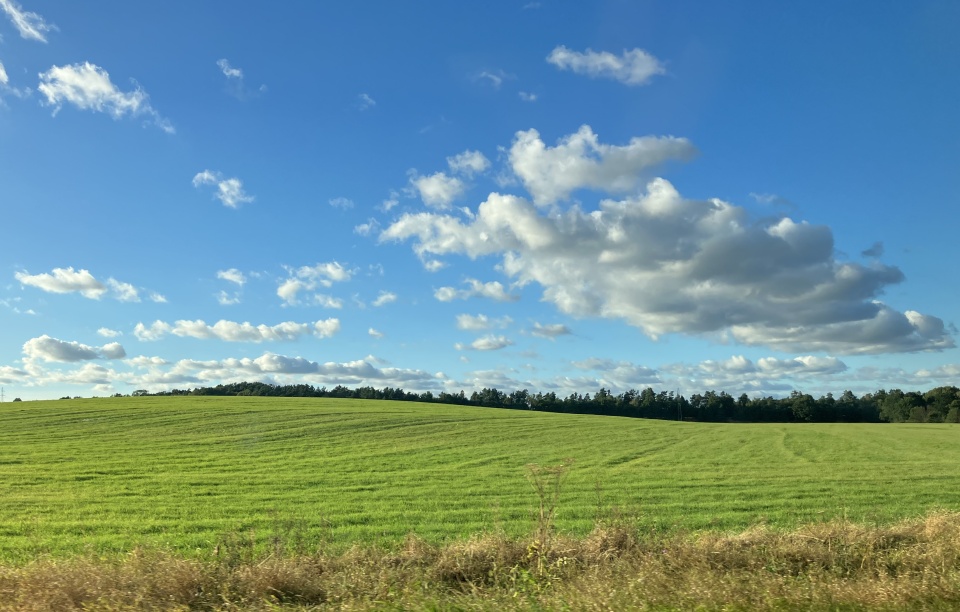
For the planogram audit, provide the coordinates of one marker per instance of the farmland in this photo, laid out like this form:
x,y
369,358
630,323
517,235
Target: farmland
x,y
104,476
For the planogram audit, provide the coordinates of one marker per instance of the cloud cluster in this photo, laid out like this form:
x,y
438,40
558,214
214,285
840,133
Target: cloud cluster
x,y
231,331
309,278
666,264
633,67
88,87
229,190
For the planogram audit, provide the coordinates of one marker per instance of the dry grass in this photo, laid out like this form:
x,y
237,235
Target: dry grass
x,y
826,566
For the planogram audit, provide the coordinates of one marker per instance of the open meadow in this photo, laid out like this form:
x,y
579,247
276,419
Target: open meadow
x,y
185,474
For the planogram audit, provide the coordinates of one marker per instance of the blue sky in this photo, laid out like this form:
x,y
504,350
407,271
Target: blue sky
x,y
744,196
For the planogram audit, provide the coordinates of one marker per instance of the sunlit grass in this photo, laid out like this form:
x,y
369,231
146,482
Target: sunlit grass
x,y
103,476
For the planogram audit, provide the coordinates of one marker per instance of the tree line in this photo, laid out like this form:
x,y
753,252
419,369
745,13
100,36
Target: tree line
x,y
939,405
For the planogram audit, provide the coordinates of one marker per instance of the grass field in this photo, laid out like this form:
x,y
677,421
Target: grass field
x,y
103,476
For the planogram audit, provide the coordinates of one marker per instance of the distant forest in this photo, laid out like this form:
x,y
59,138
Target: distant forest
x,y
940,405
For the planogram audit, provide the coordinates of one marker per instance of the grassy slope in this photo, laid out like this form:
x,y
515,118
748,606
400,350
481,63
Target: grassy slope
x,y
106,475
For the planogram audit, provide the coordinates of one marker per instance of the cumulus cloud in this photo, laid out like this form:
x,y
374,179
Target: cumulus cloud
x,y
52,349
231,331
437,190
486,343
580,161
156,330
229,190
309,278
106,332
365,229
88,87
666,264
374,333
125,292
232,276
481,322
468,163
30,25
493,290
633,67
65,280
550,331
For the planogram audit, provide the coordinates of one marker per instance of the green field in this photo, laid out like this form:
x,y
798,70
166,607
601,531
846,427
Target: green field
x,y
107,475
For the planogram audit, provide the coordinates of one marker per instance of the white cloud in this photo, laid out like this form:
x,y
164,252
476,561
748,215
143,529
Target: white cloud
x,y
52,349
88,87
486,343
125,292
633,67
666,264
619,374
374,333
581,161
106,332
550,331
468,163
388,204
65,280
493,290
341,203
4,79
365,229
385,297
30,25
157,330
327,301
494,77
365,102
158,298
309,278
229,190
481,322
526,96
229,71
227,299
233,276
235,81
437,190
231,331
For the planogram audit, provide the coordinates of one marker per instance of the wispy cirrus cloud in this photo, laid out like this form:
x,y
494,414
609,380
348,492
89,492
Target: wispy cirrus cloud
x,y
88,87
30,25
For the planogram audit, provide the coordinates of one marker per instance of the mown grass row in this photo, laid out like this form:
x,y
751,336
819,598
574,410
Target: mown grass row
x,y
105,476
834,565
